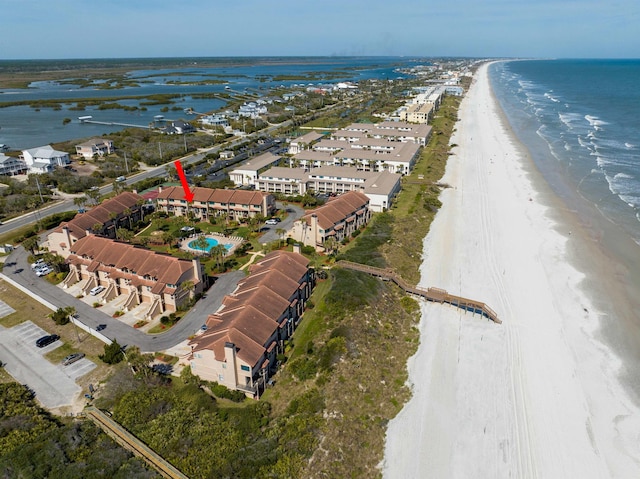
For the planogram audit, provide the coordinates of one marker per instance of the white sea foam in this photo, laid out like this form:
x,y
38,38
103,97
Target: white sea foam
x,y
629,145
595,122
620,176
572,120
551,97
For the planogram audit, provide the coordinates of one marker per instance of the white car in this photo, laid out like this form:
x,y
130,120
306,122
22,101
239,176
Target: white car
x,y
38,264
96,290
272,221
43,271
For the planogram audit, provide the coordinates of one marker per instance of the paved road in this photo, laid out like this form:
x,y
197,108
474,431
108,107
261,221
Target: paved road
x,y
20,272
67,204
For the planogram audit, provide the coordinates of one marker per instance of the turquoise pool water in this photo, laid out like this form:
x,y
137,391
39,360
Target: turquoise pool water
x,y
211,242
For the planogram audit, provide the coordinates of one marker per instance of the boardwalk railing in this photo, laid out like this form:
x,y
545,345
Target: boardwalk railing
x,y
430,294
133,444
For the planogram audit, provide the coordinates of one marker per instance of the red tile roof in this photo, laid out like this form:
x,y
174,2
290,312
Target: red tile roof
x,y
108,253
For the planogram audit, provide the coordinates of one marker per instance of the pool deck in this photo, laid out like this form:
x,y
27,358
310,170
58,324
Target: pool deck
x,y
234,241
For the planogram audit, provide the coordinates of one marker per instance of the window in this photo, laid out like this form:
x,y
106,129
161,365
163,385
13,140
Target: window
x,y
245,368
220,378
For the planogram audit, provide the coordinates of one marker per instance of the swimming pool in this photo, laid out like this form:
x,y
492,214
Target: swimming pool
x,y
211,242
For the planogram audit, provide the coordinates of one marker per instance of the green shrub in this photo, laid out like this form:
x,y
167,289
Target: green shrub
x,y
112,353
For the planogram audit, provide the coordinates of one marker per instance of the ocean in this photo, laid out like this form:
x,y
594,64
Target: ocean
x,y
579,121
23,126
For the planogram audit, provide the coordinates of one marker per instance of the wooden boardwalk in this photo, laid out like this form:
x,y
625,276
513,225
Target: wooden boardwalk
x,y
430,294
132,443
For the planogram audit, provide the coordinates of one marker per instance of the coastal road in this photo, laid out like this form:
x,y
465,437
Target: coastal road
x,y
67,204
20,272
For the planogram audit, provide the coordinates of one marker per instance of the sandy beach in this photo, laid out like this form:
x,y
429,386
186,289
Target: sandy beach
x,y
537,396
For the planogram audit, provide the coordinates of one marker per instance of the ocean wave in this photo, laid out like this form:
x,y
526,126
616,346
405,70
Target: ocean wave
x,y
571,119
595,122
629,145
551,97
619,176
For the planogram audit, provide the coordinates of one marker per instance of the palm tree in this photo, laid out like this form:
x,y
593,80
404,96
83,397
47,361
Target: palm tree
x,y
330,244
97,227
80,201
31,244
281,232
219,252
124,234
140,204
117,187
127,213
94,195
188,286
167,238
202,244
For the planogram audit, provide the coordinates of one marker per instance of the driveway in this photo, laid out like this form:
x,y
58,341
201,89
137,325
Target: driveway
x,y
294,212
21,273
54,384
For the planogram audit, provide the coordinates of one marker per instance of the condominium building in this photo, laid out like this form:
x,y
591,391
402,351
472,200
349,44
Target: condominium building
x,y
102,220
242,339
143,277
337,219
208,202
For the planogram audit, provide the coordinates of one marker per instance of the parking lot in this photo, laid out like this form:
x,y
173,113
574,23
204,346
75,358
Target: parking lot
x,y
54,384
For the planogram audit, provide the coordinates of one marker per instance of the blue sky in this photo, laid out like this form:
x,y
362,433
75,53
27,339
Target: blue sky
x,y
478,28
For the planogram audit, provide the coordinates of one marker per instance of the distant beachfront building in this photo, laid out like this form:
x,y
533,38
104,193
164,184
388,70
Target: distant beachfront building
x,y
418,113
95,146
208,202
336,219
247,174
44,159
380,187
304,142
11,166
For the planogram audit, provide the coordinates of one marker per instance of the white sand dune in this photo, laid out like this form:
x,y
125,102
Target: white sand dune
x,y
535,397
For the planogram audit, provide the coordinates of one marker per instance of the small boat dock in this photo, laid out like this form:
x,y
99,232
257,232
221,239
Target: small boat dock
x,y
436,295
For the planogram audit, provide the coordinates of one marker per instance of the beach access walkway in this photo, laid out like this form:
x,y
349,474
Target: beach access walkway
x,y
436,295
132,443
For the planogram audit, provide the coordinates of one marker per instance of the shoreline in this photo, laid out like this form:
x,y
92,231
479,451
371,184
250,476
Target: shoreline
x,y
538,395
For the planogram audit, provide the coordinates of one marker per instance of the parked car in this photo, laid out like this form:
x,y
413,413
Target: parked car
x,y
47,340
273,221
120,178
43,271
96,290
72,358
100,327
38,264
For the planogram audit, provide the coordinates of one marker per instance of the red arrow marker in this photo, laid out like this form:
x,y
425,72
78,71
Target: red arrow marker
x,y
188,195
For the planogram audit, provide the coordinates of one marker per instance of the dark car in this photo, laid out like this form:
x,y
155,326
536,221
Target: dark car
x,y
47,340
100,327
